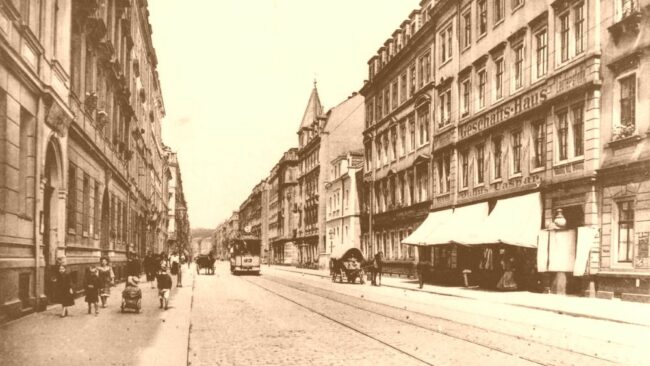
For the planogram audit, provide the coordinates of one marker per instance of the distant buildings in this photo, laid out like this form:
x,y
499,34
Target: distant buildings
x,y
83,171
178,229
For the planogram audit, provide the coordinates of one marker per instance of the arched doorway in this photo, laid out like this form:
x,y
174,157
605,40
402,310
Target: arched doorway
x,y
51,204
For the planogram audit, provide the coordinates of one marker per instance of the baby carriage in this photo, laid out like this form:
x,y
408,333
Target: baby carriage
x,y
131,296
345,265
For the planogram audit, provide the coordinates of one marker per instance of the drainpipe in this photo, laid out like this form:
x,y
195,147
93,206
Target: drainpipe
x,y
37,201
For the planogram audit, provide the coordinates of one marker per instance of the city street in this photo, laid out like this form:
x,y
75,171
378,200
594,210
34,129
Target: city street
x,y
287,318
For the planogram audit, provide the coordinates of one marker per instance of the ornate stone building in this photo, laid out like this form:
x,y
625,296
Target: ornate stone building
x,y
178,229
253,216
83,170
283,212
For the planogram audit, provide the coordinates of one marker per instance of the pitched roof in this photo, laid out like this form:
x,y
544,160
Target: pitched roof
x,y
314,109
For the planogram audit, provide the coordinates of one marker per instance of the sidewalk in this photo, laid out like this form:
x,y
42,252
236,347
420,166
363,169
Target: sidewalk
x,y
152,337
593,308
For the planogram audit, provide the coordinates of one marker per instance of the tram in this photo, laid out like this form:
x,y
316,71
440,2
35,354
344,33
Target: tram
x,y
245,255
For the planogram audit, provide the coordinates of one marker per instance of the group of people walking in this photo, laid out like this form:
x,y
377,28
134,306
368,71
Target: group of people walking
x,y
100,278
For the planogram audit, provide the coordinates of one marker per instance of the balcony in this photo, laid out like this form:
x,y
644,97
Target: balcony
x,y
628,23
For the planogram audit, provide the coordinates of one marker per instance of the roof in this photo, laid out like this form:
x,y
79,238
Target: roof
x,y
313,110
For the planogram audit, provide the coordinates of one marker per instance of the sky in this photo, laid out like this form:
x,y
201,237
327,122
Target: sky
x,y
236,77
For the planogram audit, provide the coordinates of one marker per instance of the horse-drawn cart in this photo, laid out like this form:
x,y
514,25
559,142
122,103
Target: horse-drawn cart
x,y
205,262
346,265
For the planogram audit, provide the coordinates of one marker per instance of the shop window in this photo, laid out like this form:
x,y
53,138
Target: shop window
x,y
625,231
574,216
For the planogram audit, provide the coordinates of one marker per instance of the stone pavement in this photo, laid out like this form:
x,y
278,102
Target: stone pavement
x,y
593,308
153,337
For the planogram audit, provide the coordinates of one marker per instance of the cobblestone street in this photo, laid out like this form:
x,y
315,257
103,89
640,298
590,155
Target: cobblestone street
x,y
289,318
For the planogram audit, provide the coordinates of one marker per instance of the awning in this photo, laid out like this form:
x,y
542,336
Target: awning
x,y
341,251
513,221
433,221
463,219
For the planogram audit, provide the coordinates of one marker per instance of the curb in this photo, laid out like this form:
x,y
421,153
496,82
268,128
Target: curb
x,y
556,311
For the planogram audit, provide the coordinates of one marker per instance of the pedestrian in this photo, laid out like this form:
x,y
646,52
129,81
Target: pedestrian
x,y
423,271
63,293
164,287
106,279
133,265
150,268
173,260
179,276
92,289
378,265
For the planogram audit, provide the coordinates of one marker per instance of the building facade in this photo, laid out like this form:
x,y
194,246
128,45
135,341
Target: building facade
x,y
342,221
283,213
398,139
83,170
322,137
178,224
224,234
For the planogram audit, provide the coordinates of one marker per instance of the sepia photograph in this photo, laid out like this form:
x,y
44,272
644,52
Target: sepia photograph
x,y
324,182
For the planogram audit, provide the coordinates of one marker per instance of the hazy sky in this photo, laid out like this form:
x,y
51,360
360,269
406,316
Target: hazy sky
x,y
236,76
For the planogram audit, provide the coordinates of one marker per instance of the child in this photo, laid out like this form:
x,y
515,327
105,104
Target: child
x,y
92,290
63,290
164,286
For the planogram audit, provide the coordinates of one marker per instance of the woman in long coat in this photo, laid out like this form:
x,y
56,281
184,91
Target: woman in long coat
x,y
106,277
63,293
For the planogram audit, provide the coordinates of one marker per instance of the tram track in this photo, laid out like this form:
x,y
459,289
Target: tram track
x,y
349,311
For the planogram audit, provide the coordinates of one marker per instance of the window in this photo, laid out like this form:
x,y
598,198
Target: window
x,y
98,208
519,66
467,29
393,138
628,100
498,78
412,131
482,84
466,87
443,168
402,137
412,83
446,44
564,37
538,143
370,108
387,107
71,203
427,67
423,122
625,231
578,24
402,88
577,128
411,189
86,204
517,3
464,169
386,147
378,145
496,147
480,164
423,183
378,107
499,10
445,108
482,17
394,91
26,159
516,152
541,53
402,189
562,135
